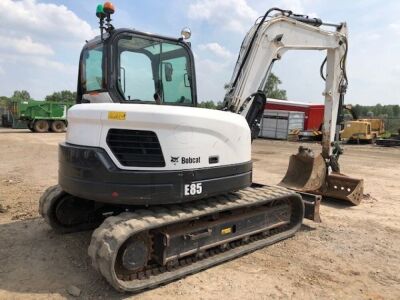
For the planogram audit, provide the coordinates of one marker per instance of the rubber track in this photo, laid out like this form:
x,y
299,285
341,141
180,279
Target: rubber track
x,y
108,238
46,202
46,210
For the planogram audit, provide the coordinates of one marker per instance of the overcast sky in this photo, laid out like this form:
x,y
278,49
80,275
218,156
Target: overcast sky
x,y
40,43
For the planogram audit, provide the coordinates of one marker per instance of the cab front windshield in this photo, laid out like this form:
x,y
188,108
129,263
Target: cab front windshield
x,y
153,71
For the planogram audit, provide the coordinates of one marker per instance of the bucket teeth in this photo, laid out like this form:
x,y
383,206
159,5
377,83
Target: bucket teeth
x,y
342,187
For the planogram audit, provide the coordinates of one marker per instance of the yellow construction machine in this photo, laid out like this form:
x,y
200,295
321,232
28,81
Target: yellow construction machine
x,y
362,130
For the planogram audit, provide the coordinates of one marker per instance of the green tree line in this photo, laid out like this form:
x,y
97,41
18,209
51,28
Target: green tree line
x,y
23,95
271,90
378,110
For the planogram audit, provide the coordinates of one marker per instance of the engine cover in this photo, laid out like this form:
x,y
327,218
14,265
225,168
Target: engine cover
x,y
188,138
139,154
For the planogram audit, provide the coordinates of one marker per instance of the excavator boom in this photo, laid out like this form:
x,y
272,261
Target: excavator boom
x,y
265,43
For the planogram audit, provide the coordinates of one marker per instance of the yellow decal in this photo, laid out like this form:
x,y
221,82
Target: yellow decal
x,y
226,230
116,115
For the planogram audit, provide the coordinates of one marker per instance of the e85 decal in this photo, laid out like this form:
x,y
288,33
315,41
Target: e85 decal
x,y
193,189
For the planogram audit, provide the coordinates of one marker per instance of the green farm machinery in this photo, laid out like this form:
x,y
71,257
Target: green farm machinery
x,y
38,116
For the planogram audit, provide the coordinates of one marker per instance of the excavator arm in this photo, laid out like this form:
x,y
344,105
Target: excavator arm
x,y
267,42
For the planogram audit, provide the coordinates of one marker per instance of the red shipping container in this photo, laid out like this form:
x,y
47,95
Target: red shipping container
x,y
313,113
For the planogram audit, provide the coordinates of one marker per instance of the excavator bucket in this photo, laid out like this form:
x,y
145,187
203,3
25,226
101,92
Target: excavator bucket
x,y
339,186
308,174
305,173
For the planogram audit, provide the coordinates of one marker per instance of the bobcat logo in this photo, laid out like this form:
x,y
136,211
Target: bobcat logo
x,y
174,160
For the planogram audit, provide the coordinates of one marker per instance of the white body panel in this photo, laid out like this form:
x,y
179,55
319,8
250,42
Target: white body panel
x,y
182,132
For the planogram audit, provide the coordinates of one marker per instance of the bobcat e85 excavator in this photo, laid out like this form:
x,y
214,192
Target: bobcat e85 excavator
x,y
171,184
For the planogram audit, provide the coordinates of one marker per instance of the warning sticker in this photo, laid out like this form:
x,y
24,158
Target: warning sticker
x,y
116,115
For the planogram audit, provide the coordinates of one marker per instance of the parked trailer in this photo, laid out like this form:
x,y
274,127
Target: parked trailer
x,y
38,116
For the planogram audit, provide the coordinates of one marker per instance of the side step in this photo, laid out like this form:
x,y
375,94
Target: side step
x,y
146,248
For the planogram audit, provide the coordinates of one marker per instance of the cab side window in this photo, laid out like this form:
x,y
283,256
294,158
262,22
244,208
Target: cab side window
x,y
93,72
136,76
176,83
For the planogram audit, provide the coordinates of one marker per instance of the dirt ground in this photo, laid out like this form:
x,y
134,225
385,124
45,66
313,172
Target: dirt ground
x,y
354,253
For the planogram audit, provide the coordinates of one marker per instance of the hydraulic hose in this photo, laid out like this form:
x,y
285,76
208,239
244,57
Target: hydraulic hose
x,y
288,12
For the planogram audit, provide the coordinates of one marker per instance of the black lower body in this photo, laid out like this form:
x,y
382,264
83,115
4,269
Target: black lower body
x,y
173,242
137,249
89,173
146,248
